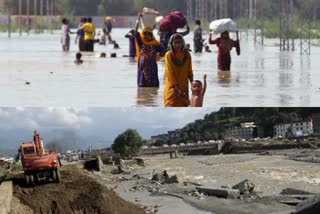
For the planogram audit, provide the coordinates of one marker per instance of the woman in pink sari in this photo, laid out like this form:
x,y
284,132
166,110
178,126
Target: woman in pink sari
x,y
225,45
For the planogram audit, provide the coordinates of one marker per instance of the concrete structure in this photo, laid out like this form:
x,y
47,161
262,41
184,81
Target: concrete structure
x,y
6,192
316,123
173,151
220,192
158,137
296,129
245,131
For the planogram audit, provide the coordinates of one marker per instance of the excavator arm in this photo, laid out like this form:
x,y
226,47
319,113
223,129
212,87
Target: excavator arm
x,y
39,144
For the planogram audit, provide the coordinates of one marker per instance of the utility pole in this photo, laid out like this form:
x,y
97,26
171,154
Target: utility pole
x,y
221,9
190,6
41,14
286,25
305,30
47,12
214,9
9,6
52,13
28,16
20,17
250,9
35,15
258,21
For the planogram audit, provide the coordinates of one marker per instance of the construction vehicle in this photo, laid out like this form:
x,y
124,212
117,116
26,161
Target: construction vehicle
x,y
37,164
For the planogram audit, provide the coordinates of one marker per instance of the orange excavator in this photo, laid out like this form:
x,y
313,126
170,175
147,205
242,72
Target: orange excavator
x,y
37,164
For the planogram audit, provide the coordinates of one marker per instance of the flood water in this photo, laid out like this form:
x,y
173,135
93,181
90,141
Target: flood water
x,y
261,76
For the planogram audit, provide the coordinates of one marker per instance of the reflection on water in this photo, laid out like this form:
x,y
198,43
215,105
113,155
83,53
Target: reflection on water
x,y
224,78
261,76
147,97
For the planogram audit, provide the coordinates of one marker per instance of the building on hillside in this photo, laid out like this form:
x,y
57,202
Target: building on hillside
x,y
316,123
162,137
297,129
165,137
174,134
245,131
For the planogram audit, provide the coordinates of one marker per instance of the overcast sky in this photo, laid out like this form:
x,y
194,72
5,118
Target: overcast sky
x,y
94,126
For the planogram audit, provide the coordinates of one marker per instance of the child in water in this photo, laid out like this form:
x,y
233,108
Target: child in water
x,y
188,47
103,37
198,92
78,59
207,49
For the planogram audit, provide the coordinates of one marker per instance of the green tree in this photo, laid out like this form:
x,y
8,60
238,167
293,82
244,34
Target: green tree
x,y
128,143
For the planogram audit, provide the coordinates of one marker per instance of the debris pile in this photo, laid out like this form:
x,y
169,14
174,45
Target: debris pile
x,y
197,194
164,178
245,187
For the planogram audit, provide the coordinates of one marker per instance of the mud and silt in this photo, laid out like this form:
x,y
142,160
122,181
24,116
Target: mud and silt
x,y
77,193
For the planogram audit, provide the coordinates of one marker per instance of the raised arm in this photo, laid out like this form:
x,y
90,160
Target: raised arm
x,y
127,35
237,44
76,40
137,22
213,42
189,67
204,88
186,32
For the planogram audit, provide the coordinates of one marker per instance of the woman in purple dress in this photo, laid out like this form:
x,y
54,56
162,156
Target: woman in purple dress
x,y
149,51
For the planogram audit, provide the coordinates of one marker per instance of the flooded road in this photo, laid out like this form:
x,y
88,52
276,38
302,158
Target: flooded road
x,y
261,76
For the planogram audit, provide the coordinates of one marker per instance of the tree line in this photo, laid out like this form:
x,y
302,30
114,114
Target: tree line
x,y
213,126
118,7
97,7
270,8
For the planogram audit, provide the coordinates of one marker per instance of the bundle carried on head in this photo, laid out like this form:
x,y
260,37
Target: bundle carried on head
x,y
149,18
172,22
222,25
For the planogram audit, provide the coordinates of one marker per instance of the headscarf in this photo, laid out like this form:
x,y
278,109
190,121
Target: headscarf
x,y
153,42
174,57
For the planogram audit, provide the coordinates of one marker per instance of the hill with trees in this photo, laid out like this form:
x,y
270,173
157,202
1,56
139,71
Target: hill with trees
x,y
131,7
213,126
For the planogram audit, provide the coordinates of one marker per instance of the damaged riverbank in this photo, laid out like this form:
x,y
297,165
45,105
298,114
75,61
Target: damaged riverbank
x,y
271,173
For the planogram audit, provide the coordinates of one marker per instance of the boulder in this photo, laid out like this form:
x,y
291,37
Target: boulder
x,y
219,192
244,187
171,180
310,206
291,191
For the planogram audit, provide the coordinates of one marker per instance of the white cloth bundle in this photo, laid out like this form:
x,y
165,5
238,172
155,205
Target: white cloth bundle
x,y
222,25
149,18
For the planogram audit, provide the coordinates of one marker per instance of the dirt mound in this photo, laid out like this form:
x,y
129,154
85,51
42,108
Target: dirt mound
x,y
77,193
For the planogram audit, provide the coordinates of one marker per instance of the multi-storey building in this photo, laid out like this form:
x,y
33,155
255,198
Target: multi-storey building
x,y
244,131
296,129
316,123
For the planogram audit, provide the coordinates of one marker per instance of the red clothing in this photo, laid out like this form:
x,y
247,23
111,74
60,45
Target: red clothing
x,y
224,56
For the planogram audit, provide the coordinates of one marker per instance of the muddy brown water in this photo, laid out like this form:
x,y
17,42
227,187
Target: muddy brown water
x,y
261,76
77,193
